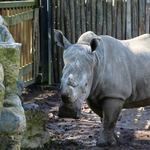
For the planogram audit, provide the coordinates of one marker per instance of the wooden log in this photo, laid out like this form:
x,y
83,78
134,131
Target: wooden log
x,y
147,15
99,17
114,18
62,26
104,17
88,15
109,18
83,21
142,12
59,57
124,5
134,18
54,48
77,16
72,16
93,16
128,23
67,20
119,20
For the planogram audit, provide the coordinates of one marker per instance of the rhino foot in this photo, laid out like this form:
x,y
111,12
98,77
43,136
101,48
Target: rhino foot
x,y
107,139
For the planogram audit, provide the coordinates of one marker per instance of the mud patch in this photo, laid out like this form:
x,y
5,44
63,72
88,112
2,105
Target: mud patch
x,y
81,134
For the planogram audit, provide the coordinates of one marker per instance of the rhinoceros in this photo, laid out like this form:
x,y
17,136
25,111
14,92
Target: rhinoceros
x,y
109,74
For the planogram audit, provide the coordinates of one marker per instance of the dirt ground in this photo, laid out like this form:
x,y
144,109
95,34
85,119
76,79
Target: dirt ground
x,y
133,127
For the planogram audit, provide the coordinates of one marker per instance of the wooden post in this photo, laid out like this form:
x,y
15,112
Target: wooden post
x,y
59,57
119,20
67,20
147,15
134,18
54,48
83,21
72,16
93,21
77,16
88,15
128,29
99,17
142,12
104,19
124,4
44,41
109,18
62,26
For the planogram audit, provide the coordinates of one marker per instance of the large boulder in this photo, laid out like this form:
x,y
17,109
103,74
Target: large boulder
x,y
13,119
36,134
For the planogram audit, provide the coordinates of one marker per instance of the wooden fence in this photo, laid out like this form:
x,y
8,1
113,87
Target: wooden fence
x,y
23,23
122,19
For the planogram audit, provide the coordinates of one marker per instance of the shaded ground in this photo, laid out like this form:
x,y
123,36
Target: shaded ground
x,y
81,134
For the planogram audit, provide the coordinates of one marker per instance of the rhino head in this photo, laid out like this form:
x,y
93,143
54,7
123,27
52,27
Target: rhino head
x,y
76,81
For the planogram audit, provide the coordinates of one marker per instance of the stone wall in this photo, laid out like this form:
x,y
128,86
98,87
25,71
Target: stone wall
x,y
18,126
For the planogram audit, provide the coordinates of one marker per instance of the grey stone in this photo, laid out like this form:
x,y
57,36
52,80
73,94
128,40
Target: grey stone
x,y
36,134
12,116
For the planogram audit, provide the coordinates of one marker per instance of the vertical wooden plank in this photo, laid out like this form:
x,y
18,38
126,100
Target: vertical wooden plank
x,y
128,29
67,20
54,48
109,18
99,17
104,17
119,20
147,15
124,3
62,25
142,17
114,18
134,18
72,16
93,16
58,48
77,16
88,15
83,21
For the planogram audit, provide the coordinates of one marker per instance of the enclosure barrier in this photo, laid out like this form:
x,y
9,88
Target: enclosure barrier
x,y
23,23
122,19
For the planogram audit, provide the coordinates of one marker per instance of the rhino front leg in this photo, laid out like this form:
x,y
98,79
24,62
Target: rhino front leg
x,y
111,109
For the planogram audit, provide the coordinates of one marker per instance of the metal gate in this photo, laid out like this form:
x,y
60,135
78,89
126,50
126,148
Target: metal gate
x,y
22,18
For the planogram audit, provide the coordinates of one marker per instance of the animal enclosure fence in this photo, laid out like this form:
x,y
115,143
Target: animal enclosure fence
x,y
122,19
23,23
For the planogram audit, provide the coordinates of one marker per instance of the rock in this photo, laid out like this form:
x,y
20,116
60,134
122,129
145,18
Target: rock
x,y
10,142
5,35
36,134
2,88
10,59
12,119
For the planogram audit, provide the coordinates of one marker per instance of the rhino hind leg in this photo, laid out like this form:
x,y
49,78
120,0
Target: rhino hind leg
x,y
111,110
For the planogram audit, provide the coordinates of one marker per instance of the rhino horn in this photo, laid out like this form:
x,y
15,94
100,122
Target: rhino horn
x,y
71,81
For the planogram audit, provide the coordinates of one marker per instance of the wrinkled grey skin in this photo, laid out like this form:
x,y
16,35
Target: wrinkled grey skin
x,y
109,74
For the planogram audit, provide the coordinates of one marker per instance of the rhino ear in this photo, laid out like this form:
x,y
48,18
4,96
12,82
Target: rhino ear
x,y
94,43
60,39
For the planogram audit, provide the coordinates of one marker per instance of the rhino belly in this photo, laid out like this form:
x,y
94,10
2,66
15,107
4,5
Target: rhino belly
x,y
140,103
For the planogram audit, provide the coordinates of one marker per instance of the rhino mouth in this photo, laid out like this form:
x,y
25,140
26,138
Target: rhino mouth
x,y
66,112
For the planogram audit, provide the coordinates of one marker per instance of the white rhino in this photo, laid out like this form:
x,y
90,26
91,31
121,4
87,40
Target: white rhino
x,y
109,74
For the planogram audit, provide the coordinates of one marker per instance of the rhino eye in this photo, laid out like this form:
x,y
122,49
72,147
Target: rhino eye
x,y
86,84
